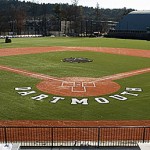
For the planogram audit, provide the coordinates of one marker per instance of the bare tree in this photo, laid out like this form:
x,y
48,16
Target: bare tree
x,y
20,16
97,12
75,2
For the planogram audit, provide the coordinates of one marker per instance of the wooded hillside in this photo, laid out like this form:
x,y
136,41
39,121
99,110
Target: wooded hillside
x,y
16,11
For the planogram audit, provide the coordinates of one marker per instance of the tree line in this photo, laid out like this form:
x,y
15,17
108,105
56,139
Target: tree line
x,y
16,15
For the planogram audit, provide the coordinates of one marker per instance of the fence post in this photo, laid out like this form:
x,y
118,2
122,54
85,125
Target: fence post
x,y
144,135
52,136
98,136
5,135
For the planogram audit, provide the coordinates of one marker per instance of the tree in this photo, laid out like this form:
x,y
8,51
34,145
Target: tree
x,y
58,11
97,12
75,2
14,14
4,26
20,18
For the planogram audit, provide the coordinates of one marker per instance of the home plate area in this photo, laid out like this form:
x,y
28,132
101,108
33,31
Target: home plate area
x,y
77,87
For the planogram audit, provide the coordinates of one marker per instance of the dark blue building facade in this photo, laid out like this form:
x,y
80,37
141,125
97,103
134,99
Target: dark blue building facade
x,y
134,25
136,20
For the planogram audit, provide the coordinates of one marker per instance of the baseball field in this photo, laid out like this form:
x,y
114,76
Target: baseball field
x,y
35,83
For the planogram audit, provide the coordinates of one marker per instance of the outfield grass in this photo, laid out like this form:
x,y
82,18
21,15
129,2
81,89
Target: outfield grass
x,y
92,42
16,107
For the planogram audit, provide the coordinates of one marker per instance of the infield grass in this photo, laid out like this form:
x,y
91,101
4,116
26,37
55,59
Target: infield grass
x,y
51,64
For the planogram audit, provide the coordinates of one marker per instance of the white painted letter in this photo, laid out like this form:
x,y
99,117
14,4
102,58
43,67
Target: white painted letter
x,y
26,93
40,97
23,88
134,89
82,101
119,97
56,99
125,92
102,100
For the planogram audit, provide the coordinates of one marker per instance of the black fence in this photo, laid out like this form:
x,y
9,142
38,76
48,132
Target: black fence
x,y
75,136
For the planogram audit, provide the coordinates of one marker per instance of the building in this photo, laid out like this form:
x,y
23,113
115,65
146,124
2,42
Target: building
x,y
135,25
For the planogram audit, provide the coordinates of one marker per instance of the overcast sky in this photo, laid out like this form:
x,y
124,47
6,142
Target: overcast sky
x,y
135,4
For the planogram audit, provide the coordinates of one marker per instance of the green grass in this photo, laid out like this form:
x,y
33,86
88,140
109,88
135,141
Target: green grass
x,y
92,42
51,64
16,107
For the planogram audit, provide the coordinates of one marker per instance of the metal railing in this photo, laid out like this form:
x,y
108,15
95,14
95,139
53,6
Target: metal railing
x,y
75,136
